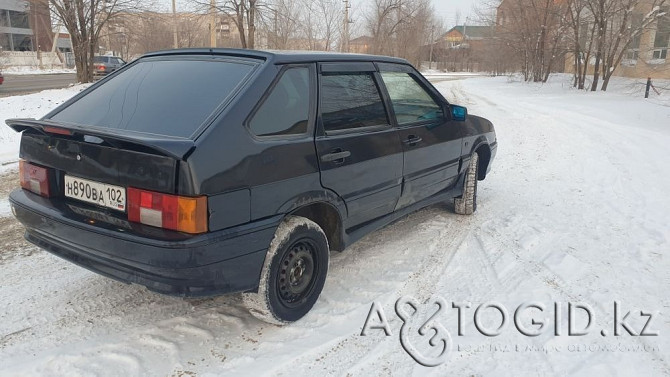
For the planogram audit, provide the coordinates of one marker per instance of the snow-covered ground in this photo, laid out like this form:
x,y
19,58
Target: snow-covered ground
x,y
575,210
28,70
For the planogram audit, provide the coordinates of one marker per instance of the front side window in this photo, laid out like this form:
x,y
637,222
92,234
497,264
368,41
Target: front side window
x,y
351,100
286,110
411,102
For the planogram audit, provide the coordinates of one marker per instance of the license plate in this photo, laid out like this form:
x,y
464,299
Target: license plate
x,y
102,194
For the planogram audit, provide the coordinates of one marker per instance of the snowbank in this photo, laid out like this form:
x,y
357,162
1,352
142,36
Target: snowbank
x,y
26,70
629,87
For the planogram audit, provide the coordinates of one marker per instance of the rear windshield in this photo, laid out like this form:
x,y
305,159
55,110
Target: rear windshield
x,y
165,97
99,59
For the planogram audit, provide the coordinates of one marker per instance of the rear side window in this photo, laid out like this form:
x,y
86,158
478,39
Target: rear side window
x,y
351,100
411,102
286,110
165,97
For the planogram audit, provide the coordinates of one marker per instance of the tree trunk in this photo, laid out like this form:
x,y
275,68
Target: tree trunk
x,y
240,28
252,24
596,67
602,31
586,60
546,73
606,81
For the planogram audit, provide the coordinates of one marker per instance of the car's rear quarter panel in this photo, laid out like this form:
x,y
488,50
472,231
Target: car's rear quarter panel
x,y
264,175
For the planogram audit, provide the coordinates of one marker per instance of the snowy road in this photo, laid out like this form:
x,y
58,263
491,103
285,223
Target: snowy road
x,y
576,209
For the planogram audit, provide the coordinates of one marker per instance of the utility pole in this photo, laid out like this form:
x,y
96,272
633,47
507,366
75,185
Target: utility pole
x,y
108,36
465,25
37,36
174,24
212,23
432,44
275,30
345,34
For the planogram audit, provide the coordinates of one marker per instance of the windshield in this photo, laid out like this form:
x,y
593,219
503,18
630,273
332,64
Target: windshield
x,y
165,97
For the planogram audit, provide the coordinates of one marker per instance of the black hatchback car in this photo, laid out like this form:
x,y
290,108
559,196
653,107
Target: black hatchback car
x,y
201,172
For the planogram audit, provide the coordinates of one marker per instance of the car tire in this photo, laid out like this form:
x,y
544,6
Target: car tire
x,y
293,274
466,204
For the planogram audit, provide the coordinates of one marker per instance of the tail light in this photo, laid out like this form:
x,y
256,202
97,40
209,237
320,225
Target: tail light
x,y
180,213
100,68
34,178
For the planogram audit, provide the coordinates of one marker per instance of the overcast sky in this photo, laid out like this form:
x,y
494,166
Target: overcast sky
x,y
446,9
449,9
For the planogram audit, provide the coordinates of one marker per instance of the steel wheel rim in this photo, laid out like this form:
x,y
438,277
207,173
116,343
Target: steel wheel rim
x,y
297,273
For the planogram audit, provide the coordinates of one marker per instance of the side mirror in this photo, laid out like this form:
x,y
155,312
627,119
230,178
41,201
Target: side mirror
x,y
458,113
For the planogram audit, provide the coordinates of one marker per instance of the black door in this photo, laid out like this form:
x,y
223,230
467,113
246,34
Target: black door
x,y
360,155
431,143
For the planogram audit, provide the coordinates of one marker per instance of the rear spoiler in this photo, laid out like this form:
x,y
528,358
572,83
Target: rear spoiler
x,y
175,147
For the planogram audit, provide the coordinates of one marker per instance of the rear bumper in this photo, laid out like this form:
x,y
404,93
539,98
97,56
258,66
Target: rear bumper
x,y
220,262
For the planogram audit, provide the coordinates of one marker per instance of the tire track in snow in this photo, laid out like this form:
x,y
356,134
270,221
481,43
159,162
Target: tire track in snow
x,y
530,255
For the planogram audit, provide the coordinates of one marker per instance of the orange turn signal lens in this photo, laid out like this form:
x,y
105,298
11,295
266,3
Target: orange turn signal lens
x,y
180,213
192,214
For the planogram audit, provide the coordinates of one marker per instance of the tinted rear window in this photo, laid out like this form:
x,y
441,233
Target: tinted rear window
x,y
166,97
99,59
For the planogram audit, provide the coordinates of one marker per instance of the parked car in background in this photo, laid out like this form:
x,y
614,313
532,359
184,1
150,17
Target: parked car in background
x,y
104,65
215,171
2,78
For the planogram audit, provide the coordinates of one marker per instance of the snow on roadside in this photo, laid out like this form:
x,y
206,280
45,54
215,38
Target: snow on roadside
x,y
33,105
574,210
29,70
5,209
632,88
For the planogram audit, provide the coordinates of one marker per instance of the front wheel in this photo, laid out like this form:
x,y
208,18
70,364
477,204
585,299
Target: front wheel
x,y
466,204
293,274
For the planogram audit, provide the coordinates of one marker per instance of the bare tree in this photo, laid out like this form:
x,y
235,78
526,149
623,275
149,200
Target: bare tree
x,y
245,14
624,28
583,31
84,21
535,30
617,24
383,19
321,20
400,28
285,23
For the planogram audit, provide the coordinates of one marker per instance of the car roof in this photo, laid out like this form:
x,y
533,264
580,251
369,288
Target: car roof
x,y
282,57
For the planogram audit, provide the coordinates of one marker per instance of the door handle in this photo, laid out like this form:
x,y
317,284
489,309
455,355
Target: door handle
x,y
412,140
337,156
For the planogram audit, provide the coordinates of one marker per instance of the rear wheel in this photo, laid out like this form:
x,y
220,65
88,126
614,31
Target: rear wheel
x,y
293,274
466,204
